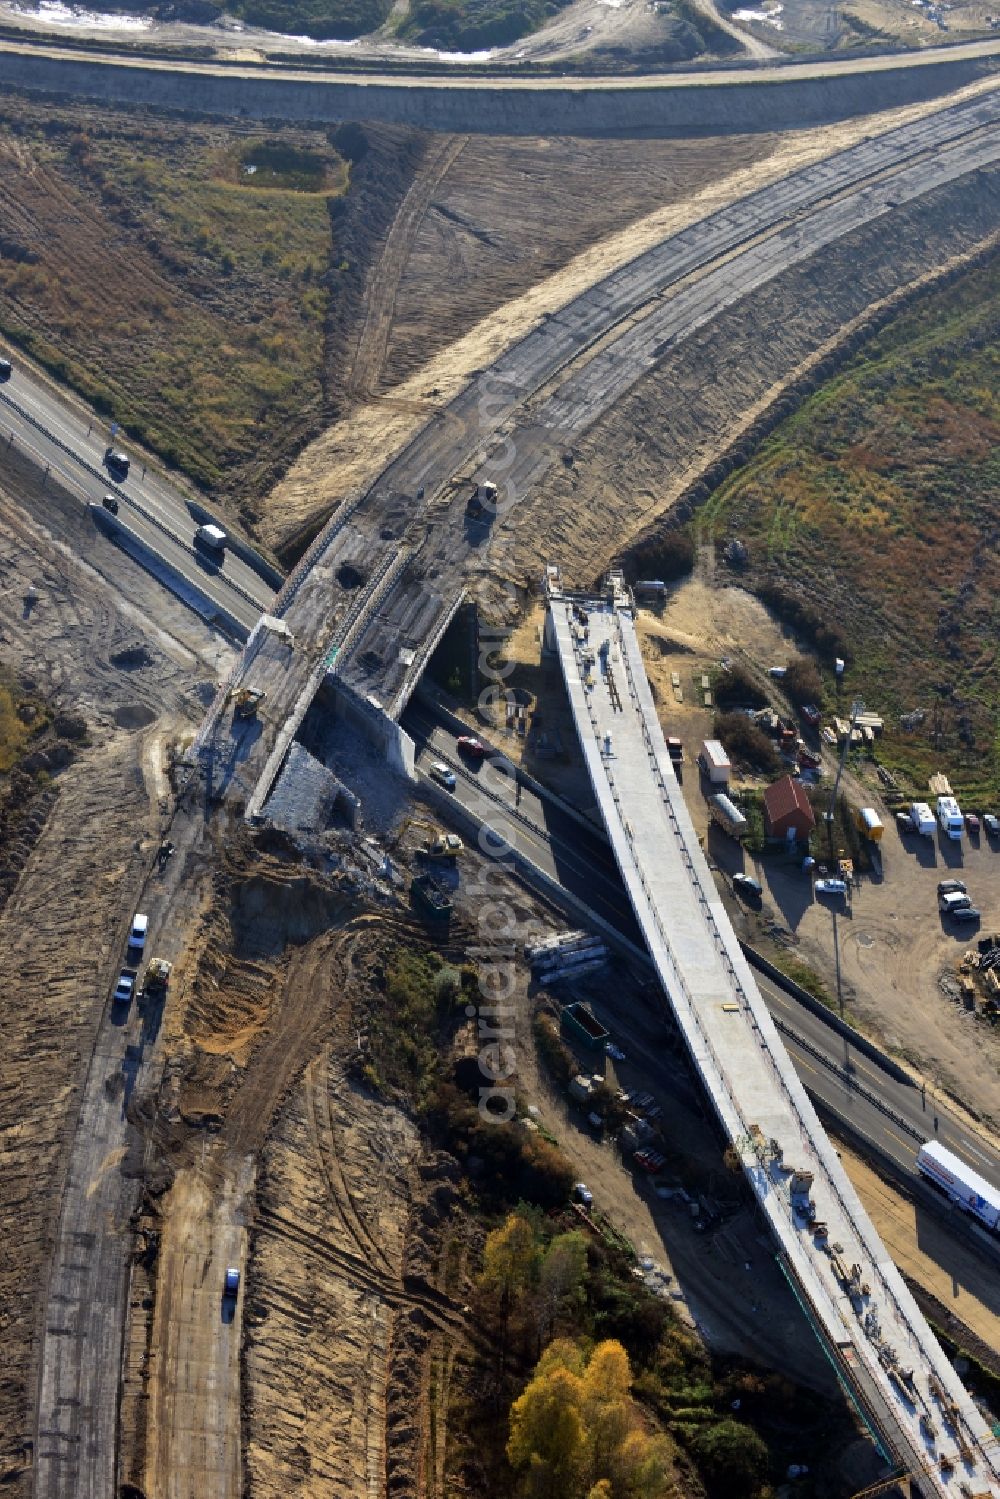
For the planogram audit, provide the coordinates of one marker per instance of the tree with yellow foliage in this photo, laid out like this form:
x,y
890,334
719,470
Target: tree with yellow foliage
x,y
575,1432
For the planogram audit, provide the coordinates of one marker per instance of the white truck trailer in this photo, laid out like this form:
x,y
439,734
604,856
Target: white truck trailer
x,y
959,1182
949,815
923,818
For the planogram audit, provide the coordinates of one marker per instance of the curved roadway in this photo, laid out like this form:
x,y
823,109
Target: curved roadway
x,y
768,97
75,1393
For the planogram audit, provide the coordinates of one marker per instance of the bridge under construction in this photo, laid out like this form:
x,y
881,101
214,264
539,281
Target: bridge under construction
x,y
849,1289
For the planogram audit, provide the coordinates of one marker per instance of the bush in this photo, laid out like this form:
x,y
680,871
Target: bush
x,y
732,1458
804,619
802,682
742,740
736,688
553,1050
668,557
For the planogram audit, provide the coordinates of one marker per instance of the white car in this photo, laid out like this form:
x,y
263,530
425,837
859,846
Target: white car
x,y
444,775
137,936
125,987
830,887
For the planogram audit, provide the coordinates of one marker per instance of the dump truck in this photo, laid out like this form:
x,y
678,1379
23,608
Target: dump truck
x,y
430,898
580,1024
246,702
960,1183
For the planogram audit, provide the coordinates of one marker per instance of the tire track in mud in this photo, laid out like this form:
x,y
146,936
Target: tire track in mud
x,y
383,282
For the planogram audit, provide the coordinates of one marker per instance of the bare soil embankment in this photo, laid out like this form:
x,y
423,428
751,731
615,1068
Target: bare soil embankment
x,y
484,238
60,932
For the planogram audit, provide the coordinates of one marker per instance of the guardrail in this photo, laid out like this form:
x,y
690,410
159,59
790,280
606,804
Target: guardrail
x,y
110,486
828,1175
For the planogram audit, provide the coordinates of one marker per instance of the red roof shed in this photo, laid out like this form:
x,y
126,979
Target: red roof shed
x,y
786,807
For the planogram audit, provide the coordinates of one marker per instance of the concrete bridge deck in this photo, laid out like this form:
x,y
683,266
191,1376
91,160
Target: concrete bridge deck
x,y
866,1315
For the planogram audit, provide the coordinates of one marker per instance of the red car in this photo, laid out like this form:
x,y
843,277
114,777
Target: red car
x,y
475,748
972,822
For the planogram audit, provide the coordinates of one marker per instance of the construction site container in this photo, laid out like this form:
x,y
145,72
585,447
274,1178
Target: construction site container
x,y
727,815
963,1185
869,824
923,819
578,1022
715,762
580,1088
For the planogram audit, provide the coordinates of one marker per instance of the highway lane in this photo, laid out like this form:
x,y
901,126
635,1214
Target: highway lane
x,y
892,1116
48,427
774,72
548,388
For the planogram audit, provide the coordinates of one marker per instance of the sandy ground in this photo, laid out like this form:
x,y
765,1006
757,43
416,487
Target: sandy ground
x,y
60,932
194,1431
355,449
892,946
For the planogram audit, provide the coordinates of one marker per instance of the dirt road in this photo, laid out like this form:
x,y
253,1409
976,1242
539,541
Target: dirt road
x,y
193,1436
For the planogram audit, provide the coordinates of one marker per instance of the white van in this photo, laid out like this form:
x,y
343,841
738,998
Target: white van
x,y
211,536
953,900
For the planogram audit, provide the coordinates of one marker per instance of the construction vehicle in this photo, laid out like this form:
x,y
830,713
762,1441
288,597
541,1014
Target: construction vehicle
x,y
440,845
246,702
430,898
157,976
482,503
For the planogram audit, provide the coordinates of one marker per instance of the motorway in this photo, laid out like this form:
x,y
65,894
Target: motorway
x,y
709,77
58,438
893,1117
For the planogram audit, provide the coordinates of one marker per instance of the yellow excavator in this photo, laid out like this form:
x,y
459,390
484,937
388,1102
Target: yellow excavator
x,y
246,701
440,845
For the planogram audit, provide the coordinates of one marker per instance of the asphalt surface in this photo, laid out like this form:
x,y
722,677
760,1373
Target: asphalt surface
x,y
892,1117
46,426
776,72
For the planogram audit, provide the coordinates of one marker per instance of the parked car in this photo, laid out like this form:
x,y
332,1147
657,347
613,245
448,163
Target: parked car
x,y
650,1160
443,775
992,824
965,913
811,714
905,823
232,1282
125,987
474,748
583,1194
6,369
614,1052
110,503
830,887
137,934
952,901
971,822
950,887
747,885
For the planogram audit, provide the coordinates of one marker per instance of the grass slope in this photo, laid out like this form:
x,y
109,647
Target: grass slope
x,y
877,504
181,292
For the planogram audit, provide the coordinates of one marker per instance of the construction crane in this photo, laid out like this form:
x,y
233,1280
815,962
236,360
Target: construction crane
x,y
857,708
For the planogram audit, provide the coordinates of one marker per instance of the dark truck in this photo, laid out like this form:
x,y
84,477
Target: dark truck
x,y
430,898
